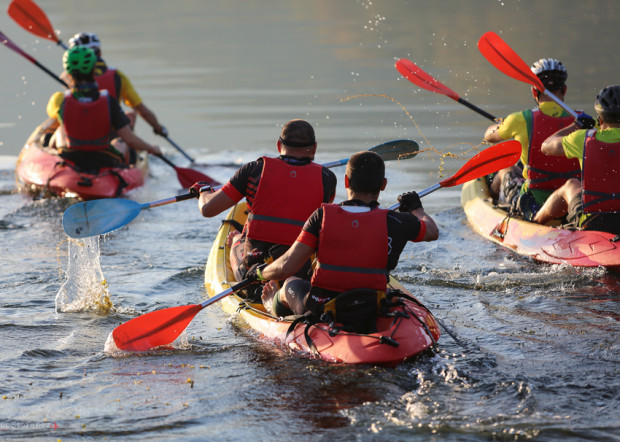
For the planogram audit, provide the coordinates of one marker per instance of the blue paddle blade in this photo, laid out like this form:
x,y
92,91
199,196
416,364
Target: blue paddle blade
x,y
96,217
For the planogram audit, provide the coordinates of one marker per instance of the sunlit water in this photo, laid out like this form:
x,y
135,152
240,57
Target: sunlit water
x,y
538,346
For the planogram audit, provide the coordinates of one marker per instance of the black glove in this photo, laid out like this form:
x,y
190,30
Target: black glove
x,y
254,273
195,189
585,121
409,201
162,131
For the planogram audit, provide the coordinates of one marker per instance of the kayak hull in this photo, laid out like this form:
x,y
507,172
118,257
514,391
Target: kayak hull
x,y
542,243
39,171
414,334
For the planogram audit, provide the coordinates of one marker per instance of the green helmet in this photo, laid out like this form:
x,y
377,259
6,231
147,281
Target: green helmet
x,y
79,60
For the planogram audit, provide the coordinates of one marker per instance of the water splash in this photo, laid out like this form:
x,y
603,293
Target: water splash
x,y
85,288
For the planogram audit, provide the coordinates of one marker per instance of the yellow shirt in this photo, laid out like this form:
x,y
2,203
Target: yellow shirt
x,y
128,94
53,105
515,126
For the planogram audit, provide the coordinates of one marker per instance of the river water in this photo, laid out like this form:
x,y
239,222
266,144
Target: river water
x,y
539,345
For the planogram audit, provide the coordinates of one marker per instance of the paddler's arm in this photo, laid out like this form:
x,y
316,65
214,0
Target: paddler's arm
x,y
552,146
212,204
135,142
491,135
148,116
289,263
432,231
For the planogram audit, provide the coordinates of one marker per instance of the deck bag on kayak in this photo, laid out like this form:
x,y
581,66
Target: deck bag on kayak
x,y
91,161
356,310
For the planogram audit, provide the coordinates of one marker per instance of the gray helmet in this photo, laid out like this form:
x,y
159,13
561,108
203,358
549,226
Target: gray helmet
x,y
551,72
86,39
607,104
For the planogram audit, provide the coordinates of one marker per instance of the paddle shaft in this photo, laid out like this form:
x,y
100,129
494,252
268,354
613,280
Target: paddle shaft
x,y
9,44
477,109
177,147
235,288
175,199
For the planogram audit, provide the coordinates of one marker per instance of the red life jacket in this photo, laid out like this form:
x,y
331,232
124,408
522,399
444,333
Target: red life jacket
x,y
353,250
107,81
286,196
601,175
543,171
87,124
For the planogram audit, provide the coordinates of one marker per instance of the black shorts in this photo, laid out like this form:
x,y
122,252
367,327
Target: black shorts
x,y
510,188
603,222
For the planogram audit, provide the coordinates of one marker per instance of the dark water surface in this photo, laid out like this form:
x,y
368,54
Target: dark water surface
x,y
540,344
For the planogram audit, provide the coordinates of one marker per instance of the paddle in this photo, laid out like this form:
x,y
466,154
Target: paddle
x,y
500,55
9,44
30,17
96,217
420,78
162,327
488,161
187,177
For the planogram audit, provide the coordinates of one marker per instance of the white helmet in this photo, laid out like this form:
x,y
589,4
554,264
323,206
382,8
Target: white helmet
x,y
86,39
550,71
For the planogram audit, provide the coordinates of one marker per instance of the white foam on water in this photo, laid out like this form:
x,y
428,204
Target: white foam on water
x,y
85,288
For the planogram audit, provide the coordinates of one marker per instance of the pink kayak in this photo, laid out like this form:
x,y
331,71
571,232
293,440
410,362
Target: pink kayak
x,y
549,244
41,171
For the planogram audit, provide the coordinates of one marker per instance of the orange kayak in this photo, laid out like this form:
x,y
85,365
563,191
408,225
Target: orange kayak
x,y
398,337
548,244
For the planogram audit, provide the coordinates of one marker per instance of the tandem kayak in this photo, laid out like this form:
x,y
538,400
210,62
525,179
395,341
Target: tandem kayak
x,y
41,171
410,330
542,243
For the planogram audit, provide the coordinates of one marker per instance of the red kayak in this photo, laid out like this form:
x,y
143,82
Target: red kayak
x,y
409,330
549,244
41,171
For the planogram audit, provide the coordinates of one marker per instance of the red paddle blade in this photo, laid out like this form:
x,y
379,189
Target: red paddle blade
x,y
490,160
187,177
500,55
30,17
154,329
418,77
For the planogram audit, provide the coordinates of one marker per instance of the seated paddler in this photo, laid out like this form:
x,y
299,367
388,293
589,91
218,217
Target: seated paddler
x,y
356,242
93,130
